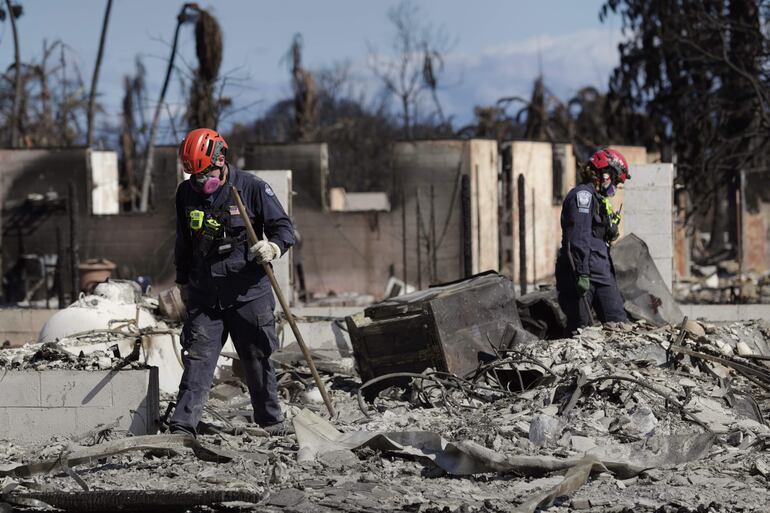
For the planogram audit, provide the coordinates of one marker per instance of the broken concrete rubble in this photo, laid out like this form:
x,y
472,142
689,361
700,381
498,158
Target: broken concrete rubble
x,y
724,283
630,412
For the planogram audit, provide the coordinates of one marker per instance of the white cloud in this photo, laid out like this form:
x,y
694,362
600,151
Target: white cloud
x,y
569,62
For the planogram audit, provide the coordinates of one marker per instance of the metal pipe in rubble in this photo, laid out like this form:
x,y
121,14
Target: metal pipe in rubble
x,y
284,305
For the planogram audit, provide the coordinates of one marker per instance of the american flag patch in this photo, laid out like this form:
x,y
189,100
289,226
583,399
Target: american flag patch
x,y
234,210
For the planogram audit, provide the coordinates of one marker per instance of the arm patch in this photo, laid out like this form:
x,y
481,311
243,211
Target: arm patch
x,y
584,202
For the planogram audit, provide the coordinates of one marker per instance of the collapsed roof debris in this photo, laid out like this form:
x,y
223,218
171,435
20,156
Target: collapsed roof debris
x,y
641,418
725,282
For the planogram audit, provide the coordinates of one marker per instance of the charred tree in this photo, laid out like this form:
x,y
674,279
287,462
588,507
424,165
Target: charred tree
x,y
700,69
203,108
14,11
95,77
305,95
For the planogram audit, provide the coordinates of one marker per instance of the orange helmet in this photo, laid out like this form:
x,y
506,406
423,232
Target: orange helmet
x,y
200,150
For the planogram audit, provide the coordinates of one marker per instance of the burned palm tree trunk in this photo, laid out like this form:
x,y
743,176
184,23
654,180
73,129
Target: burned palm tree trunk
x,y
182,17
128,144
13,13
429,76
305,95
203,109
537,113
95,77
47,126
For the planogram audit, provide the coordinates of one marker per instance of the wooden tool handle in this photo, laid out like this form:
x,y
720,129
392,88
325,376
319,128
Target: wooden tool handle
x,y
284,305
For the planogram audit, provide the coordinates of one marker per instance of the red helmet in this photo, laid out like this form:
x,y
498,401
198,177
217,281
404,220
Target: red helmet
x,y
200,150
612,160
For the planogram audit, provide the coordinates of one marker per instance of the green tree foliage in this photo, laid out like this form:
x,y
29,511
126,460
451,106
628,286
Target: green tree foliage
x,y
700,69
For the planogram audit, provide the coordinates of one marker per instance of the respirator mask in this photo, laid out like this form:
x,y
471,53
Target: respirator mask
x,y
205,183
607,185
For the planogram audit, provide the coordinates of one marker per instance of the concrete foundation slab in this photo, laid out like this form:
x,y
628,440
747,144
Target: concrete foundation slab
x,y
36,405
727,312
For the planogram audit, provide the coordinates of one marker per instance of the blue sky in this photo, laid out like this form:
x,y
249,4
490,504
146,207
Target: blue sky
x,y
498,47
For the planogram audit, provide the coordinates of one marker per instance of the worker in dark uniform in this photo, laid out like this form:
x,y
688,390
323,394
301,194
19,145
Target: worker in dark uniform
x,y
223,284
585,275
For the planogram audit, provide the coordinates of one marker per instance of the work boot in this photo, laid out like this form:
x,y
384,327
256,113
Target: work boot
x,y
177,429
279,429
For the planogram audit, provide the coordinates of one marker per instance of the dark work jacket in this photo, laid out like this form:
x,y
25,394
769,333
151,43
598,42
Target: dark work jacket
x,y
224,280
583,223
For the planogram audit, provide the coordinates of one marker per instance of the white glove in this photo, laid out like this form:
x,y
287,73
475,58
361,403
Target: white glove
x,y
264,251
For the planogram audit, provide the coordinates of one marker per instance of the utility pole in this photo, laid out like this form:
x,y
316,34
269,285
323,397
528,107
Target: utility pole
x,y
95,77
16,109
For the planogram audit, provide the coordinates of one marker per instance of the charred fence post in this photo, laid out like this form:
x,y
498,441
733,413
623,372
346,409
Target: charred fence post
x,y
403,235
419,242
466,226
58,275
433,248
72,206
522,234
533,252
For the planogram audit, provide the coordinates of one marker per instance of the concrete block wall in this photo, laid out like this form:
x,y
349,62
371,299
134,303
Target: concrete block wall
x,y
105,191
648,212
440,165
21,325
354,251
23,172
485,225
534,160
141,242
309,163
37,405
421,167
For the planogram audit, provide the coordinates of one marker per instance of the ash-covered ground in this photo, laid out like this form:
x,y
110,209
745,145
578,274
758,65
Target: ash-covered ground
x,y
623,418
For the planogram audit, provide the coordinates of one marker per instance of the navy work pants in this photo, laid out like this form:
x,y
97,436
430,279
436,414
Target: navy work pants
x,y
603,296
251,326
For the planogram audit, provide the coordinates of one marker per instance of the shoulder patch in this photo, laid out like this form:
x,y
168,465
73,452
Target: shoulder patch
x,y
583,201
269,191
